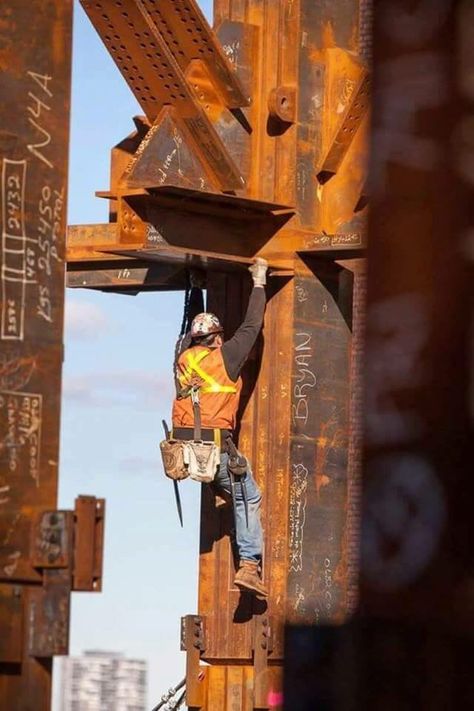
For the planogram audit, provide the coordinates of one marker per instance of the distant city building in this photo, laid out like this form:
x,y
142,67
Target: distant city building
x,y
103,681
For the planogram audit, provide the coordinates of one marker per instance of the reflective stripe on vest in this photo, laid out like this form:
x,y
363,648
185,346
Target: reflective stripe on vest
x,y
193,367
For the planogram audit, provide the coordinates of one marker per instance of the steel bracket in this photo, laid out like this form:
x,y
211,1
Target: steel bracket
x,y
193,633
47,615
262,648
193,643
89,515
356,108
52,540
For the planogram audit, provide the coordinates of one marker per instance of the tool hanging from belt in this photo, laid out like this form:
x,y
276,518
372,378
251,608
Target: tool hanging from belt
x,y
237,467
175,483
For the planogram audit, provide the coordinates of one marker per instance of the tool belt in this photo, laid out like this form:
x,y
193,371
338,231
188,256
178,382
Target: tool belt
x,y
207,434
196,458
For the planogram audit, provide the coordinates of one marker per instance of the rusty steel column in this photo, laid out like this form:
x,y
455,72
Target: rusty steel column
x,y
417,561
410,645
35,57
302,384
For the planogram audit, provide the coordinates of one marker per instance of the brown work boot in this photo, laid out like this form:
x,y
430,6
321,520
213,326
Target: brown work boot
x,y
248,579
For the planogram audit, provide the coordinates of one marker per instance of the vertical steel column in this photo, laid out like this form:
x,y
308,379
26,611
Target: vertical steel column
x,y
317,566
417,513
409,646
35,57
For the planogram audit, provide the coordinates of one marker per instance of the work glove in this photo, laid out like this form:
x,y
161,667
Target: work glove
x,y
258,270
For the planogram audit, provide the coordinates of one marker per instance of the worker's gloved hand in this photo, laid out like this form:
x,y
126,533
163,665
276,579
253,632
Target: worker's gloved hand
x,y
258,271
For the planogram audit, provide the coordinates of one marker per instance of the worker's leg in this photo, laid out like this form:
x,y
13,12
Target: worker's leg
x,y
249,540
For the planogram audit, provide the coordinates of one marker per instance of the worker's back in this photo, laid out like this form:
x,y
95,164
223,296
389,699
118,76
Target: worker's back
x,y
218,394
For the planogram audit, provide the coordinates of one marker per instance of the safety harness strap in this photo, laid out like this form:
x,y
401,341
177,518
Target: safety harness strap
x,y
197,413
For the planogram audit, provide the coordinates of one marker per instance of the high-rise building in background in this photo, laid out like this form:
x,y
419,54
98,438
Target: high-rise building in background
x,y
103,681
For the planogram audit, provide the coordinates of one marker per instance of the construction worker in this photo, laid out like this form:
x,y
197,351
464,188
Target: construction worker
x,y
214,366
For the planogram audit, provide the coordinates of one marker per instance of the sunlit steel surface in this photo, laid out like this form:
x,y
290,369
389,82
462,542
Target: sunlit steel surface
x,y
253,143
44,553
35,60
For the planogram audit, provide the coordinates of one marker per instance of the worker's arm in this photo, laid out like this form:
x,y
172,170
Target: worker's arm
x,y
236,350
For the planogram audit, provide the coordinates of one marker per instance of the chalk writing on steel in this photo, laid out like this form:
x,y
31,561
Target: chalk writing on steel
x,y
50,212
305,379
13,249
350,239
298,488
20,432
37,108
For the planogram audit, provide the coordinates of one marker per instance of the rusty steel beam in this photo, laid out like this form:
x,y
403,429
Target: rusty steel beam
x,y
129,279
36,64
308,117
150,66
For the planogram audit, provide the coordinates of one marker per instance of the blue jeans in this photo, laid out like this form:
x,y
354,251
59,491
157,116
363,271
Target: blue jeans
x,y
249,540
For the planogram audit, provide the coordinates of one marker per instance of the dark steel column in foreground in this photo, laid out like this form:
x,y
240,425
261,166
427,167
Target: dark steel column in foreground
x,y
417,560
411,642
35,59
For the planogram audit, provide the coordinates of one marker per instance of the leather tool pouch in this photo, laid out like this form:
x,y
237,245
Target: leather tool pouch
x,y
193,458
173,455
237,463
202,460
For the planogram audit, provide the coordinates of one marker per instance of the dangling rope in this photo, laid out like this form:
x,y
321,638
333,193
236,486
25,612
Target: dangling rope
x,y
193,304
184,325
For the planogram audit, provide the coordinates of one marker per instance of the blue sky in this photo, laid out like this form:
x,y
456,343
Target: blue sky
x,y
116,390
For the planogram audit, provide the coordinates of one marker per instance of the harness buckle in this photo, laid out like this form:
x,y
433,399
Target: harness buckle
x,y
194,392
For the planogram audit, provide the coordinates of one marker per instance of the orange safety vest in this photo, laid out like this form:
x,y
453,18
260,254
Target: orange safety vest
x,y
218,395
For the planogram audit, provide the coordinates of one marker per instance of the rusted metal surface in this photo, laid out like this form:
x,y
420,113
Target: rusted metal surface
x,y
231,687
48,615
129,279
230,631
193,642
300,149
150,65
11,617
317,579
262,647
89,515
408,646
354,111
34,146
52,540
35,61
306,119
419,423
184,22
